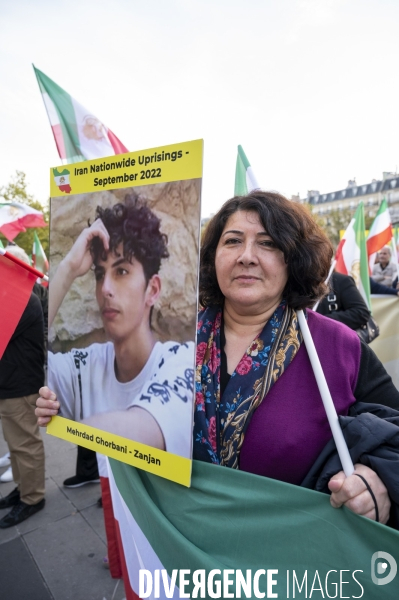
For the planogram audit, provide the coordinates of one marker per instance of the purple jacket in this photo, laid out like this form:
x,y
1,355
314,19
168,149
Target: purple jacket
x,y
290,428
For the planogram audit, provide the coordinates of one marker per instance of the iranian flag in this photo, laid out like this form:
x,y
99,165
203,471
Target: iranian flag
x,y
39,259
380,233
78,134
351,255
16,217
61,179
245,180
229,522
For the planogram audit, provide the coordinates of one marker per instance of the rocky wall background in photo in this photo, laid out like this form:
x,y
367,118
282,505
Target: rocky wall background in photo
x,y
177,204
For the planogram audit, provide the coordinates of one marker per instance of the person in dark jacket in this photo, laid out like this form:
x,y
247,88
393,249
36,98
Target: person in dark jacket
x,y
344,303
21,375
380,288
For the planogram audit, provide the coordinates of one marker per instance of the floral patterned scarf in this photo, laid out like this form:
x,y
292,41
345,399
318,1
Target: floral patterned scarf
x,y
220,423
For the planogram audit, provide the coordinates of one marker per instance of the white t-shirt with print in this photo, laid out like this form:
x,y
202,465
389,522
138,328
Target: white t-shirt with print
x,y
85,384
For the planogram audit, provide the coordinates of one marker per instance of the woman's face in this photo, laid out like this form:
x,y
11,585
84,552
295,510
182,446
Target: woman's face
x,y
250,269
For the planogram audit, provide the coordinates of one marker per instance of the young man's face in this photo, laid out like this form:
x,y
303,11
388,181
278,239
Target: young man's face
x,y
124,298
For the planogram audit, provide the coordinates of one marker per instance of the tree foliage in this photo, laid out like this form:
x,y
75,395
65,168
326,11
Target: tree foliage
x,y
336,221
16,191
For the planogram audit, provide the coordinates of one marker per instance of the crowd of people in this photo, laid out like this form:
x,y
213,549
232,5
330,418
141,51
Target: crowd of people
x,y
256,403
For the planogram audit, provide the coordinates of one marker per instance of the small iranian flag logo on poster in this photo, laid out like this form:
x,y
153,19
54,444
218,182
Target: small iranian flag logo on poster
x,y
61,179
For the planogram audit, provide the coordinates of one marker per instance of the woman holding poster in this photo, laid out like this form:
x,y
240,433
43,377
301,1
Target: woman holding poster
x,y
258,407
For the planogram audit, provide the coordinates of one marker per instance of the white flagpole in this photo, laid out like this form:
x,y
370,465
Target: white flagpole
x,y
22,264
342,448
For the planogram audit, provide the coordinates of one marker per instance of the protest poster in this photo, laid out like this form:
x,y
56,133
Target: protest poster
x,y
124,257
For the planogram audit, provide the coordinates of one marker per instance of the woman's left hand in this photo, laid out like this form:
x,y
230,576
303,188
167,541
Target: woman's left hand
x,y
352,492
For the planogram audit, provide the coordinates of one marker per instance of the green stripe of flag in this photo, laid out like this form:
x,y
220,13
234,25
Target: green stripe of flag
x,y
360,233
66,114
230,519
240,186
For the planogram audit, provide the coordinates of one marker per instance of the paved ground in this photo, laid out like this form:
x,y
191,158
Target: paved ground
x,y
64,544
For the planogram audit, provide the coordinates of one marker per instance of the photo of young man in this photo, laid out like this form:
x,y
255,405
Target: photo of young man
x,y
133,384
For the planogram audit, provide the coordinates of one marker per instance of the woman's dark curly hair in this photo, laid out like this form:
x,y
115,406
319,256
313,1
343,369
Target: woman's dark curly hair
x,y
307,250
135,226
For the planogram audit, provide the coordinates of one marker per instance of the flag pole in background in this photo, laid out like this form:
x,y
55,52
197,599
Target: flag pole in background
x,y
245,180
78,134
331,271
380,234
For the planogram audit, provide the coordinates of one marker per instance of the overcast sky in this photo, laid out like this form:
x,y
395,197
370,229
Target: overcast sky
x,y
308,87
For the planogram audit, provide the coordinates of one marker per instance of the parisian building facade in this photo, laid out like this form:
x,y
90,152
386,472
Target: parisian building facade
x,y
371,194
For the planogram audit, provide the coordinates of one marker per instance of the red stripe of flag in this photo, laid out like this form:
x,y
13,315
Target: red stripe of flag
x,y
15,290
340,266
117,145
377,242
59,140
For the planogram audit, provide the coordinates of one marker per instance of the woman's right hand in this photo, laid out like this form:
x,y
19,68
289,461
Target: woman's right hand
x,y
47,406
78,260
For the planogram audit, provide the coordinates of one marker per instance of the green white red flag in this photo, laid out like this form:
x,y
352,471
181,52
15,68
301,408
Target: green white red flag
x,y
351,255
380,233
62,181
16,217
39,258
78,134
232,520
245,180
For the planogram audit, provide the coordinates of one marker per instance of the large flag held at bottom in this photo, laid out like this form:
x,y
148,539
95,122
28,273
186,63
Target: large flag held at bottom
x,y
78,134
245,180
351,255
230,519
